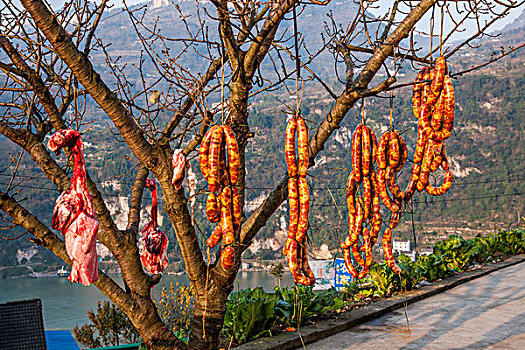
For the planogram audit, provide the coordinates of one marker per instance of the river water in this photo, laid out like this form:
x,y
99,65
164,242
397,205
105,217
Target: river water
x,y
66,304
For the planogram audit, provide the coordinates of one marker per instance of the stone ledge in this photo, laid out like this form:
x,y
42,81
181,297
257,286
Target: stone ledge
x,y
323,329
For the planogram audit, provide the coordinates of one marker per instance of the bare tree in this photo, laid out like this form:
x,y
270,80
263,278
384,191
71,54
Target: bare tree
x,y
47,70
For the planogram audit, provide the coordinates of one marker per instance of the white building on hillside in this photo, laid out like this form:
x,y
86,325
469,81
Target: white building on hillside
x,y
402,246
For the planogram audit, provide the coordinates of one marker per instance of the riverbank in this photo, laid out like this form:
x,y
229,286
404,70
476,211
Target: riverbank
x,y
66,304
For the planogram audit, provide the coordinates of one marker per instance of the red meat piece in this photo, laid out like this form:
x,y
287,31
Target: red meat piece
x,y
154,255
74,215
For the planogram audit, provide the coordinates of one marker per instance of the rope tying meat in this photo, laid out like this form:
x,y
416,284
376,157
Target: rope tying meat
x,y
154,255
74,215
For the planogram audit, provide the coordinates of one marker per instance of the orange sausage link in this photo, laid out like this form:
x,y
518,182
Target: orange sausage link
x,y
358,222
449,104
216,147
425,167
293,264
436,121
293,202
302,146
387,249
349,240
440,69
376,227
403,155
226,216
367,196
224,176
439,191
289,147
382,147
393,150
412,184
381,184
233,154
304,208
204,153
307,271
286,247
424,119
428,75
348,262
376,202
395,217
366,151
390,178
356,153
356,252
355,226
228,257
350,194
215,236
440,135
212,208
436,150
420,146
368,254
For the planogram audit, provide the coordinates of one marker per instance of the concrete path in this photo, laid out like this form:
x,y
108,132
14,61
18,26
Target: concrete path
x,y
486,313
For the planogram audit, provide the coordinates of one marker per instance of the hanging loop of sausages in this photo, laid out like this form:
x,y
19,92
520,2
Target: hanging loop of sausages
x,y
219,162
433,103
364,217
394,154
299,200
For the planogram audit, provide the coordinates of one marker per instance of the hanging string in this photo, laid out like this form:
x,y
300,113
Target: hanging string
x,y
392,95
297,62
363,119
222,89
441,30
391,108
432,31
206,295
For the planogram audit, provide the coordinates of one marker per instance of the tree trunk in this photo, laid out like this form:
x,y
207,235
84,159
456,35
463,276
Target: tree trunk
x,y
210,309
152,330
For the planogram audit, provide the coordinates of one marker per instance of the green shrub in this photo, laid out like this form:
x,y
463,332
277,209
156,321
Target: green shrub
x,y
109,327
252,313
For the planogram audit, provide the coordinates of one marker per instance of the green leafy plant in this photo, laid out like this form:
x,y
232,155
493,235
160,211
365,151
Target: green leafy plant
x,y
382,278
250,313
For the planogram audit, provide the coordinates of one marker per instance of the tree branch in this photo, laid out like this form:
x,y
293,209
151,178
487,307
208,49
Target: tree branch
x,y
34,80
135,202
90,79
